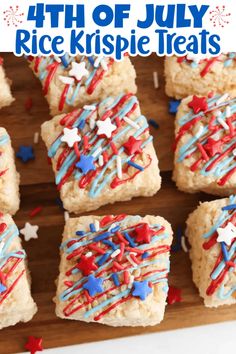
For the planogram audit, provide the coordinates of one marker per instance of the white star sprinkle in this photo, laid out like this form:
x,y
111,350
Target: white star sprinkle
x,y
78,70
29,231
105,127
70,136
226,234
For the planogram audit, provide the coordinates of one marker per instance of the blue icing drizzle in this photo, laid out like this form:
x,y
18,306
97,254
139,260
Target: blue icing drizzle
x,y
226,164
4,139
7,237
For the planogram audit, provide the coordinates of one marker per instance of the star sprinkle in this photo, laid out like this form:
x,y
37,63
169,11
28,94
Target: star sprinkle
x,y
86,164
25,153
29,231
174,295
93,285
70,136
78,70
105,127
132,146
34,345
198,104
226,234
141,289
173,106
213,147
143,233
86,265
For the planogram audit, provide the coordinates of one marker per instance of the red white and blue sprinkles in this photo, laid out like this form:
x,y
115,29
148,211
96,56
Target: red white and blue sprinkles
x,y
225,263
106,153
77,72
211,129
112,263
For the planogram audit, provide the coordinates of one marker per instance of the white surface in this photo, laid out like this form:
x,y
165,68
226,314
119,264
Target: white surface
x,y
211,339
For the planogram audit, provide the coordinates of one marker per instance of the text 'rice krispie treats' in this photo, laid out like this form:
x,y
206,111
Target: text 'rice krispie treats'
x,y
102,153
16,303
205,146
70,82
5,93
195,76
211,231
114,270
9,178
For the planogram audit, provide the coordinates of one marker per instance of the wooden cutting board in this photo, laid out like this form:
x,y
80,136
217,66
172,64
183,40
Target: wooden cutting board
x,y
38,189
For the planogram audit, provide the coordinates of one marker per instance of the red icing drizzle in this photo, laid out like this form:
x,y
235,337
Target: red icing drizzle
x,y
209,147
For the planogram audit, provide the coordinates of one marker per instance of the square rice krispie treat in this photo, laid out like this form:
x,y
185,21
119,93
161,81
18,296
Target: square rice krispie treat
x,y
5,93
195,76
102,153
70,82
205,146
211,231
16,303
9,178
114,270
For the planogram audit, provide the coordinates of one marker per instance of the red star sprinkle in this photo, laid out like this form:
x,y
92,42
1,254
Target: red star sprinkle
x,y
174,295
198,104
132,145
86,265
144,233
213,147
34,345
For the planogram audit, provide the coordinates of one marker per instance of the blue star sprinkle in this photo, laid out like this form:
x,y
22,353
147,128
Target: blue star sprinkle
x,y
177,245
173,106
2,288
141,289
86,164
93,285
25,153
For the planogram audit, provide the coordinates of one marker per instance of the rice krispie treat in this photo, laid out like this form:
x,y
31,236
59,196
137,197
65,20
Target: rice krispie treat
x,y
205,146
5,93
195,76
70,82
102,153
211,231
16,303
9,178
114,270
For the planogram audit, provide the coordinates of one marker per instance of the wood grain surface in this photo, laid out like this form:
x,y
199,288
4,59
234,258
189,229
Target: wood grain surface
x,y
37,188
